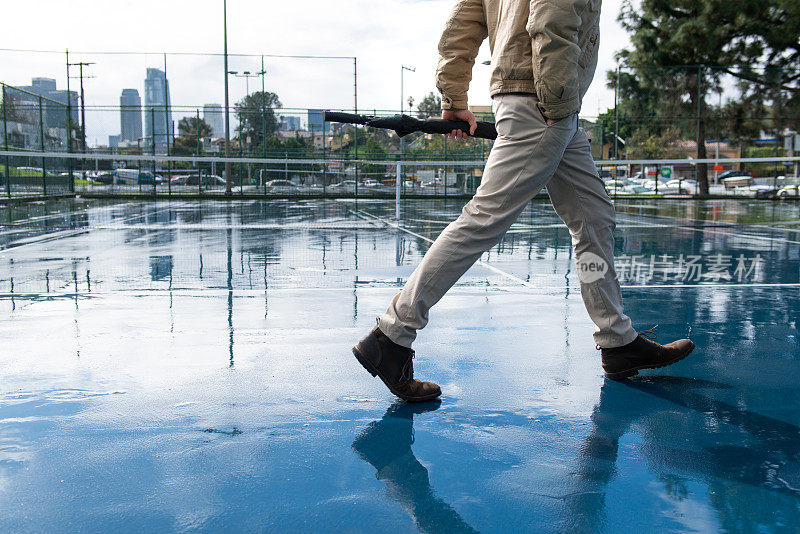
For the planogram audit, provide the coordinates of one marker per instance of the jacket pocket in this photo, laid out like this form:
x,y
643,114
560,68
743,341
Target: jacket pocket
x,y
589,50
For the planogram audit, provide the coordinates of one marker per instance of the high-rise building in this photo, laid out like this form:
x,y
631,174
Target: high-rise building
x,y
157,109
214,117
315,119
290,122
130,115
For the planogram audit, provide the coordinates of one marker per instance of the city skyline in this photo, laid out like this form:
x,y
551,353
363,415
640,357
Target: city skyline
x,y
400,32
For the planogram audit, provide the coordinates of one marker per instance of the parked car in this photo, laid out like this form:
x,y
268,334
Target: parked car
x,y
757,191
280,186
789,191
108,178
136,175
737,182
636,190
372,183
209,180
734,174
615,184
682,187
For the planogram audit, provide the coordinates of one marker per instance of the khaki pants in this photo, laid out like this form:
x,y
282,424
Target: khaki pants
x,y
527,155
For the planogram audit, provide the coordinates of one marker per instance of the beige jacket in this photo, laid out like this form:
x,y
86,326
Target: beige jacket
x,y
546,47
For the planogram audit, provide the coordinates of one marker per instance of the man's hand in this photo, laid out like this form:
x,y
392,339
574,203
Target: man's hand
x,y
460,115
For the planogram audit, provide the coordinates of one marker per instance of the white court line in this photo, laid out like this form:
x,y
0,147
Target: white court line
x,y
167,226
717,229
523,225
54,236
479,262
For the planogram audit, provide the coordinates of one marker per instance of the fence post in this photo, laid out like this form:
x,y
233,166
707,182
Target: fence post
x,y
153,141
41,146
616,122
445,166
68,126
324,157
778,133
5,144
197,153
397,189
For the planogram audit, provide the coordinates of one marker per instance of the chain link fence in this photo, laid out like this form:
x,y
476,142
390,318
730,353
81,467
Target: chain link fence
x,y
670,130
702,113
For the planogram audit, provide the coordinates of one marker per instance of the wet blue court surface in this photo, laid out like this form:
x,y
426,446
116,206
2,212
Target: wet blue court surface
x,y
186,365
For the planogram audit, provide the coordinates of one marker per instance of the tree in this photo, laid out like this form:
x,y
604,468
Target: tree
x,y
674,42
256,116
371,149
187,140
429,106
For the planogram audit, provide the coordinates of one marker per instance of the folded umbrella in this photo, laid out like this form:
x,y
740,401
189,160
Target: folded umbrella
x,y
405,124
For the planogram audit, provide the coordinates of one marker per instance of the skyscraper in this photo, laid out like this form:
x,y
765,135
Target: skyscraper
x,y
213,116
157,108
315,120
130,115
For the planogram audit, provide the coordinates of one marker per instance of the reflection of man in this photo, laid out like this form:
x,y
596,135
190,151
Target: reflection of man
x,y
768,458
544,54
386,445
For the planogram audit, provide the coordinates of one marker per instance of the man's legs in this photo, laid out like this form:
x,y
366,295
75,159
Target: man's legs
x,y
523,158
580,199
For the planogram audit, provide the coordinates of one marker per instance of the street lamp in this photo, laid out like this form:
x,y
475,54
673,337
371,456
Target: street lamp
x,y
403,68
228,189
247,75
399,173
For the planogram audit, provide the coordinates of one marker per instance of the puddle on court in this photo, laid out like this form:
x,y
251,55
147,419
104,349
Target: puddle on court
x,y
186,365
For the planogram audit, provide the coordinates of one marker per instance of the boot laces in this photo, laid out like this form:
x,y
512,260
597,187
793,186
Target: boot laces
x,y
650,334
408,368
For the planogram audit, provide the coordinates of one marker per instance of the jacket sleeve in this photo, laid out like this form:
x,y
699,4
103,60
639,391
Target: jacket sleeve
x,y
553,27
462,37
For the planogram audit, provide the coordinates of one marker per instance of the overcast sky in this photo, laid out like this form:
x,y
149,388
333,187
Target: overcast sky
x,y
383,34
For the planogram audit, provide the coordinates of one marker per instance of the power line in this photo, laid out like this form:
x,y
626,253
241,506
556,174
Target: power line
x,y
122,53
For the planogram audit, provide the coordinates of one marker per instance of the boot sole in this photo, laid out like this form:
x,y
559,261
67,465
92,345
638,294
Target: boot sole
x,y
366,364
633,371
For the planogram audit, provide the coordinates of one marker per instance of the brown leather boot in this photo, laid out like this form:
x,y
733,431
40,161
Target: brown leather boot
x,y
393,364
643,353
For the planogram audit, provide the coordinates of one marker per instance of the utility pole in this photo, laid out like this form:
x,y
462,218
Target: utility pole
x,y
80,65
69,132
228,189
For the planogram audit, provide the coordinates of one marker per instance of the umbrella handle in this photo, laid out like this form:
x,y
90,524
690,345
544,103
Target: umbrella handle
x,y
485,130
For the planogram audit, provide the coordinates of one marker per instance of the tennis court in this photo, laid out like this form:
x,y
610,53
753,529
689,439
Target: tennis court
x,y
186,364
